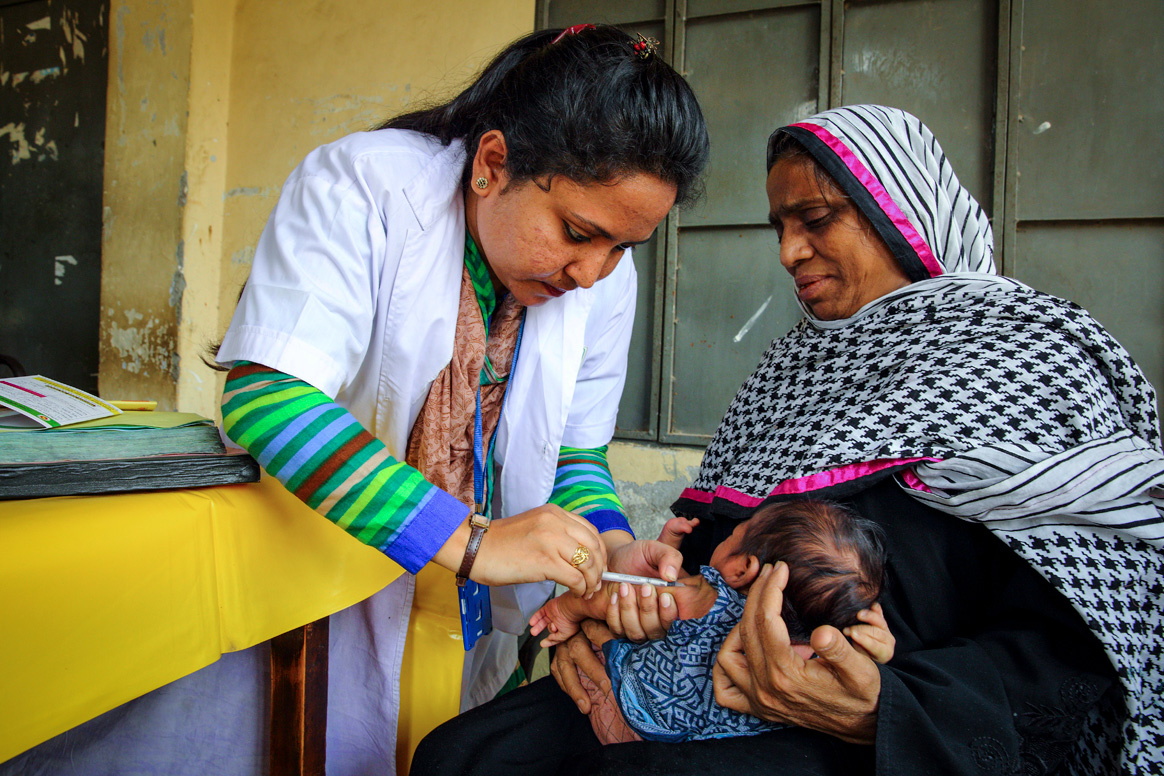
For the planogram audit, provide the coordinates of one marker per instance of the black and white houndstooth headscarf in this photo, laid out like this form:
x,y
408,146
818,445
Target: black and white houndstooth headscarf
x,y
986,399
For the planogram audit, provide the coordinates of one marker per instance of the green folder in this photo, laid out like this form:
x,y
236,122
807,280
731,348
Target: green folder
x,y
126,452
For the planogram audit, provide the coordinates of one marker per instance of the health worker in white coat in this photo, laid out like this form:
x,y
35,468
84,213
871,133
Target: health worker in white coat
x,y
449,297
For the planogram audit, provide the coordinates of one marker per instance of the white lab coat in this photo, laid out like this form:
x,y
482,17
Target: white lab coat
x,y
354,289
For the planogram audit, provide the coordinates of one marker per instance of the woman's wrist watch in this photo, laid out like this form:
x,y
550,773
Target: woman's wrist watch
x,y
478,525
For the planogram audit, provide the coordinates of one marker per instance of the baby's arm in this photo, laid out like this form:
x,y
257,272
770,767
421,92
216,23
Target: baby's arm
x,y
872,635
675,529
562,616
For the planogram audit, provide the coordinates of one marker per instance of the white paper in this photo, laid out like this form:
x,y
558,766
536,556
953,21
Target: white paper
x,y
48,403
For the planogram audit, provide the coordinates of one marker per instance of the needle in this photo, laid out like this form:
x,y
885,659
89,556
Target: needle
x,y
631,579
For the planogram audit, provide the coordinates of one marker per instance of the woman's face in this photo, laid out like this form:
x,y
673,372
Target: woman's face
x,y
544,238
836,260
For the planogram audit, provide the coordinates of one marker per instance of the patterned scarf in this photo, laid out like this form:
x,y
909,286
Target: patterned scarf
x,y
986,399
441,442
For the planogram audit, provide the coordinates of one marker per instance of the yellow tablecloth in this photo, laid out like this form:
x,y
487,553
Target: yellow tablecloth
x,y
104,598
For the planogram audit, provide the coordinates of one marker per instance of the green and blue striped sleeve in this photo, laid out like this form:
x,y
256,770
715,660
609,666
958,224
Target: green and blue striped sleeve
x,y
583,485
321,453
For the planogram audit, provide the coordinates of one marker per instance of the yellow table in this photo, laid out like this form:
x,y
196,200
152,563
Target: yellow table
x,y
104,598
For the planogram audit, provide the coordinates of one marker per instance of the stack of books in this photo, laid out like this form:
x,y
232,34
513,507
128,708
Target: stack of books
x,y
115,452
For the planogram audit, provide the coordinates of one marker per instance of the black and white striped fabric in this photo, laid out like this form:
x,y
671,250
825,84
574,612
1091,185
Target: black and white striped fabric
x,y
986,399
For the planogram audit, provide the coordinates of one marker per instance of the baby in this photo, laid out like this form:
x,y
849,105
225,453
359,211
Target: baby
x,y
664,688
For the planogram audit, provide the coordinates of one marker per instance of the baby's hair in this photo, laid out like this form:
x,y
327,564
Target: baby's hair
x,y
836,561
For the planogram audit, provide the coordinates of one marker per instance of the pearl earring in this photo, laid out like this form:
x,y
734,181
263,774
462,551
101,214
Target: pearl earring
x,y
481,182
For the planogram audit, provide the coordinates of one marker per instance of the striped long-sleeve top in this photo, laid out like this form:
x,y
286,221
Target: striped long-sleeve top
x,y
321,453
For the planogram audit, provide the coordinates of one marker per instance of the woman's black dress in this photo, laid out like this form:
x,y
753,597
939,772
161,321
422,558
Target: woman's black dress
x,y
993,674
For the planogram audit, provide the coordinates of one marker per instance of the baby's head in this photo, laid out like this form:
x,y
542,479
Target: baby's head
x,y
835,558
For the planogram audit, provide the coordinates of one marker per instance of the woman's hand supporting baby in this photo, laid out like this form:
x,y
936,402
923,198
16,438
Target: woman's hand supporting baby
x,y
576,655
759,673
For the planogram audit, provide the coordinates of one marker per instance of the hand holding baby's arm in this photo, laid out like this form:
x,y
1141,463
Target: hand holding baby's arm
x,y
675,529
562,616
872,636
554,617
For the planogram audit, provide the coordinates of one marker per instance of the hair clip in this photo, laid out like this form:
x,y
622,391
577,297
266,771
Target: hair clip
x,y
645,47
574,30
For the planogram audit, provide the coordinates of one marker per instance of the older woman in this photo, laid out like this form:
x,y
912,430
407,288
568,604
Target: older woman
x,y
1006,444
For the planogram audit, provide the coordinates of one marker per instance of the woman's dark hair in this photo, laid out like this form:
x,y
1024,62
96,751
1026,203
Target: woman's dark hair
x,y
587,107
782,145
836,561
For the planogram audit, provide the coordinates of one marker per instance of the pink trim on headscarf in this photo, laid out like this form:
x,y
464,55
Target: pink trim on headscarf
x,y
910,478
843,474
737,497
870,182
812,482
702,496
727,494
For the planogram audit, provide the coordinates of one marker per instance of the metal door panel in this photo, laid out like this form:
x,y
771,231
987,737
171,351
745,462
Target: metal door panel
x,y
732,298
637,409
752,73
697,8
563,13
1089,110
53,72
937,60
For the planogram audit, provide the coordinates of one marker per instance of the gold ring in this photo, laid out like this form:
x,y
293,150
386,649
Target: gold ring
x,y
581,555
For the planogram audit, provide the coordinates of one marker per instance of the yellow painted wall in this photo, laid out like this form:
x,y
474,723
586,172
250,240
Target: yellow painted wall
x,y
142,283
308,71
211,104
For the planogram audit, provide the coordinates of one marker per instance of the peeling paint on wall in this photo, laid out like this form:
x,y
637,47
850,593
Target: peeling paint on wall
x,y
141,349
151,37
69,23
243,191
244,256
178,284
22,150
350,112
60,263
15,133
47,72
119,34
648,478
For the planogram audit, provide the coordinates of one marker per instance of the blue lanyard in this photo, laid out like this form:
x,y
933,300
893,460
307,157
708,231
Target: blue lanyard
x,y
480,460
476,611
